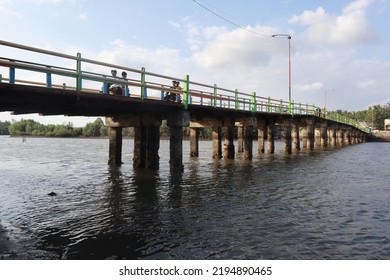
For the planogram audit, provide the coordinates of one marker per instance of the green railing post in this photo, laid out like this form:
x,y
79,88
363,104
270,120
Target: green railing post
x,y
215,92
300,108
78,72
186,95
236,106
281,106
269,104
1,78
254,105
143,84
292,105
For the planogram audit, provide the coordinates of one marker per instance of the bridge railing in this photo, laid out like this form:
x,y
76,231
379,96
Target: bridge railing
x,y
87,75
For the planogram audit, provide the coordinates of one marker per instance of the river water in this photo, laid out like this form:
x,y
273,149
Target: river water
x,y
326,204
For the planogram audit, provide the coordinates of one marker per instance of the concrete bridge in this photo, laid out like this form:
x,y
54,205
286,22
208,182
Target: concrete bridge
x,y
83,89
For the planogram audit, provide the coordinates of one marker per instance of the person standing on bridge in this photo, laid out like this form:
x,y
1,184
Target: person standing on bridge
x,y
115,89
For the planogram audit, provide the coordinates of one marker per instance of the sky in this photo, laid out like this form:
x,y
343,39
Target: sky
x,y
340,49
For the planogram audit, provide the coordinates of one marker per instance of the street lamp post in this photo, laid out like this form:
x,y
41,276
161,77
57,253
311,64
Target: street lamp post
x,y
288,36
326,91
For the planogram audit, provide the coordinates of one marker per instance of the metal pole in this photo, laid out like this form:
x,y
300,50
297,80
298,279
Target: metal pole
x,y
289,68
288,36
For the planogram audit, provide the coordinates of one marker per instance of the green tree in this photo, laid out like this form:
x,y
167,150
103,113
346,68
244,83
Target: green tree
x,y
93,129
4,128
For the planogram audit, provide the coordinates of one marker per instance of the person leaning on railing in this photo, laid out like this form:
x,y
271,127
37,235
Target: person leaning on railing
x,y
117,88
172,96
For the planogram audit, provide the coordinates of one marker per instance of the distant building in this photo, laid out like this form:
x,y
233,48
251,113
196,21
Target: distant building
x,y
387,124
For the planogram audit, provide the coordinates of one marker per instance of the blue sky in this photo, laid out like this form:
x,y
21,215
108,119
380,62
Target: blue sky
x,y
335,44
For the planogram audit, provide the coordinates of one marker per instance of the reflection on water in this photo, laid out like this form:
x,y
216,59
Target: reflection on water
x,y
323,205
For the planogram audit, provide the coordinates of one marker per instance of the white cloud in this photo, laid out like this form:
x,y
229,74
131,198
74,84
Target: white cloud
x,y
236,49
83,16
349,28
309,87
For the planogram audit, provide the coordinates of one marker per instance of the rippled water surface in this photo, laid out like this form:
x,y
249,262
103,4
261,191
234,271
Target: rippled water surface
x,y
331,204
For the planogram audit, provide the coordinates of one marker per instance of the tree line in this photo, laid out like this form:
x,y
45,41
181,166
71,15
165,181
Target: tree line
x,y
374,116
97,128
28,127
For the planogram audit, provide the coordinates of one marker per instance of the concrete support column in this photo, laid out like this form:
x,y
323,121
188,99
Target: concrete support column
x,y
194,142
176,148
296,143
115,148
271,136
217,142
340,136
310,135
287,136
139,147
332,136
248,142
146,147
317,135
324,135
345,136
261,133
240,139
176,121
304,137
228,150
152,147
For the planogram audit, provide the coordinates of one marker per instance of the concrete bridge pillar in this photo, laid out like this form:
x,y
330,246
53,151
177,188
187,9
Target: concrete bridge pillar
x,y
228,149
140,136
340,136
271,136
248,142
324,134
287,125
296,144
217,142
240,139
261,133
146,139
347,136
310,135
317,135
152,147
304,137
194,142
176,121
332,136
247,125
115,148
